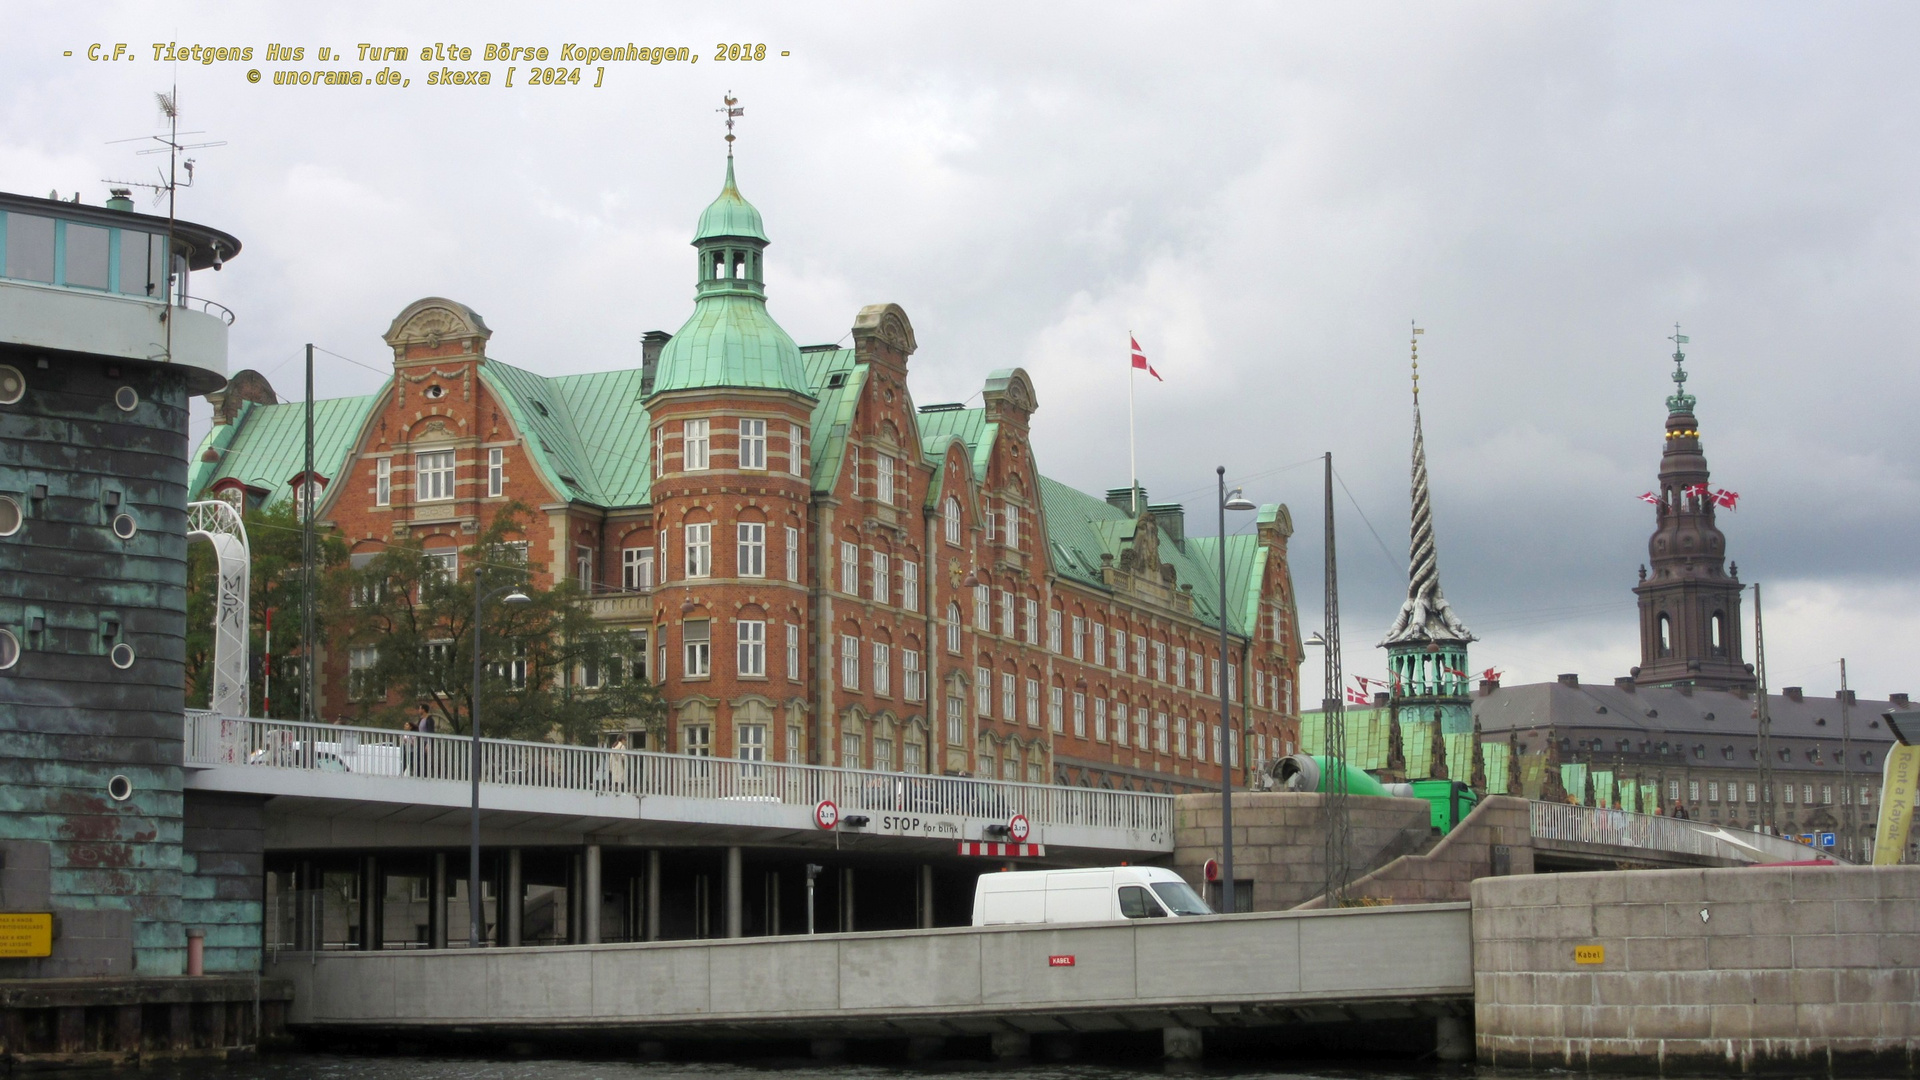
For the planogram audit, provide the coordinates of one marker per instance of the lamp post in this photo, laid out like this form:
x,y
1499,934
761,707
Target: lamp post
x,y
480,598
1233,501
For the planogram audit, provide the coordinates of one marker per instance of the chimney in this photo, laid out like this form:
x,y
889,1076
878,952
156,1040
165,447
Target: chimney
x,y
1173,521
121,199
1793,693
1569,679
1846,696
1488,686
1122,499
1899,700
651,343
1624,682
1380,697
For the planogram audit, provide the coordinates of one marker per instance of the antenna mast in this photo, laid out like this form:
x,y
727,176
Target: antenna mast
x,y
1333,706
1768,823
1846,767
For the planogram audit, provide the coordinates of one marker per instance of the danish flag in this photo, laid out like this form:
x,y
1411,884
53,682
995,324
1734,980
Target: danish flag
x,y
1728,499
1699,491
1140,360
1355,697
1650,497
1492,674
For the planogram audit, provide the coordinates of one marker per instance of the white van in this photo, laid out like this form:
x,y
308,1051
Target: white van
x,y
1072,896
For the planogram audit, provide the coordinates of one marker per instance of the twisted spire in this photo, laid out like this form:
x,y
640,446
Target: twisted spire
x,y
1426,615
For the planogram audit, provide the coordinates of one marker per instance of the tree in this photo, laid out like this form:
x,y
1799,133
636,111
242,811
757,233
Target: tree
x,y
409,629
273,542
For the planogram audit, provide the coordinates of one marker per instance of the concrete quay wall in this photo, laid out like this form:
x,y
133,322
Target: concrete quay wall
x,y
1279,840
1813,970
1240,970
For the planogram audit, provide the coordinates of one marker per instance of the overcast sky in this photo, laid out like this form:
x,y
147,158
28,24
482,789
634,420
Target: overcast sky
x,y
1265,198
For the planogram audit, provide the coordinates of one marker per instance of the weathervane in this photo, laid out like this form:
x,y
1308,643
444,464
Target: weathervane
x,y
1681,401
1415,342
731,109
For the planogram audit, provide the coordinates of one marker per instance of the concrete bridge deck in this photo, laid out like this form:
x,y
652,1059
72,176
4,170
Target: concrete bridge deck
x,y
1195,973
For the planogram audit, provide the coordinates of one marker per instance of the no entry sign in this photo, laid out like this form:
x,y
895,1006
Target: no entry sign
x,y
826,815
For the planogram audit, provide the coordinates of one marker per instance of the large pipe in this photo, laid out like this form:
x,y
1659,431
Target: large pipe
x,y
1308,772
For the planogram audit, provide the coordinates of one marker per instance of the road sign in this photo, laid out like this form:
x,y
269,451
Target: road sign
x,y
1826,839
1018,828
826,815
1806,838
1212,870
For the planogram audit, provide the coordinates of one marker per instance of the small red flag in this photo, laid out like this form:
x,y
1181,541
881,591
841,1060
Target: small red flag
x,y
1728,499
1140,361
1650,497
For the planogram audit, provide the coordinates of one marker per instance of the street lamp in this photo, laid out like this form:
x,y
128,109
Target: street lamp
x,y
1228,501
480,598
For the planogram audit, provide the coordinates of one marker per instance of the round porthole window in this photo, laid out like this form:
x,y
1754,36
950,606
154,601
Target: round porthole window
x,y
436,391
9,649
124,527
10,516
127,398
122,656
13,385
120,789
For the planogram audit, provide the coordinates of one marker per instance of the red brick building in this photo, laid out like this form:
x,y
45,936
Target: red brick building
x,y
815,569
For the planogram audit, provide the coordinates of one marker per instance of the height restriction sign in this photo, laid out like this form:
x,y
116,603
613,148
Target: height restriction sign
x,y
1017,829
826,815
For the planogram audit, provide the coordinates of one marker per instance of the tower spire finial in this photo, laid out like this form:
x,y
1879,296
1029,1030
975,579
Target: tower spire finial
x,y
731,109
1681,401
1426,616
1414,341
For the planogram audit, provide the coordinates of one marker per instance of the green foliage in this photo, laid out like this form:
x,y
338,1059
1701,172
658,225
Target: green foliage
x,y
416,622
274,538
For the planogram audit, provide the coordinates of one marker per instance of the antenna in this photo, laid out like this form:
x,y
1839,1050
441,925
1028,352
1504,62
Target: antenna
x,y
169,184
730,110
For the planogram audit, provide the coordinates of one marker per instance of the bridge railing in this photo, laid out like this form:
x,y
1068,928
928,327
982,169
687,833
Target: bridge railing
x,y
213,740
1599,825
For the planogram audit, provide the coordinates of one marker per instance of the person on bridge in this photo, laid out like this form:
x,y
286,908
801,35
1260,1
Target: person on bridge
x,y
617,765
409,750
1680,811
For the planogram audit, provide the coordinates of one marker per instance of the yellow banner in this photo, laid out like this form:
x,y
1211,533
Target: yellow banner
x,y
26,933
1897,785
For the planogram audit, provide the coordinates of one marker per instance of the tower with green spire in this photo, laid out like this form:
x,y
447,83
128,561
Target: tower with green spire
x,y
730,341
1427,645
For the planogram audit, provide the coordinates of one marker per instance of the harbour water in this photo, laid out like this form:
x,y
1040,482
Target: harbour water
x,y
353,1067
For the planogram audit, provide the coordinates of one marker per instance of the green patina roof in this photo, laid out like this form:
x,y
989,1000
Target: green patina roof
x,y
1081,528
970,426
730,341
730,214
587,433
832,410
266,445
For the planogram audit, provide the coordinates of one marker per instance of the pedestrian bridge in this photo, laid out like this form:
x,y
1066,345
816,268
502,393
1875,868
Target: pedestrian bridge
x,y
1194,973
338,786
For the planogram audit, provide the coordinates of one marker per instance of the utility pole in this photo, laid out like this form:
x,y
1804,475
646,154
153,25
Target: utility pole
x,y
309,632
1768,822
1333,705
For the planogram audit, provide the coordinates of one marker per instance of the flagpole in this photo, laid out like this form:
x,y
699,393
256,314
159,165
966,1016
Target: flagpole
x,y
1133,468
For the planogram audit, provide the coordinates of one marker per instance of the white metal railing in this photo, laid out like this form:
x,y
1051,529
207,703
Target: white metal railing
x,y
1599,825
216,740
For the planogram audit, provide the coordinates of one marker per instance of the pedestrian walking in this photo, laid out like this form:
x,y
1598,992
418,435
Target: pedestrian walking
x,y
617,764
409,749
1680,811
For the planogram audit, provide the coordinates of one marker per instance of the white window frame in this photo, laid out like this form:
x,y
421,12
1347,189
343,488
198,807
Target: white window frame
x,y
750,548
750,636
796,449
1007,615
496,471
849,662
793,651
750,742
1033,621
1056,709
882,668
697,652
382,482
696,446
953,629
956,717
659,450
982,608
1012,531
1009,697
636,568
883,478
433,476
1079,638
983,691
849,568
444,565
1160,661
882,565
1079,715
1120,722
1053,630
583,560
793,553
1033,703
909,585
696,740
753,444
1099,634
1180,666
1100,720
699,549
950,511
913,680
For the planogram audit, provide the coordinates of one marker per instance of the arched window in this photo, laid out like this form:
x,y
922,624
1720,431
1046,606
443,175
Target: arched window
x,y
953,628
1719,642
1666,635
950,510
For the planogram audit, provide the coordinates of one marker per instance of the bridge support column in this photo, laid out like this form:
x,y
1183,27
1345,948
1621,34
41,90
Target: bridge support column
x,y
514,899
369,903
653,895
437,903
735,889
926,896
590,895
1182,1044
1452,1039
1012,1045
846,900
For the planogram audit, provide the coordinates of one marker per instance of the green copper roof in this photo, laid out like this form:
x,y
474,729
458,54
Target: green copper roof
x,y
730,214
265,446
970,426
730,341
834,380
